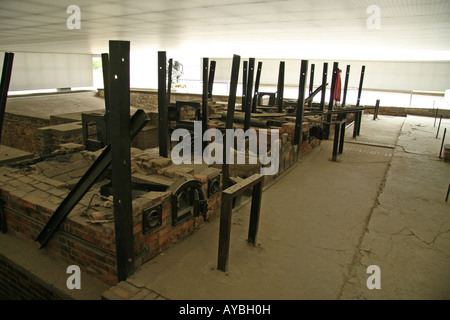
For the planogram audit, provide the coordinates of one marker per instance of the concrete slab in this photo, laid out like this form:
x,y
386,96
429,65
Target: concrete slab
x,y
8,155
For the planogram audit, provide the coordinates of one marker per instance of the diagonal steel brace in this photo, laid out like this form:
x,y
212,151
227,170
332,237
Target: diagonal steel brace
x,y
137,122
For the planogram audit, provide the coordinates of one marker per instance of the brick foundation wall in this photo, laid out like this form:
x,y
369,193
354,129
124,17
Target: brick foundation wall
x,y
20,132
17,284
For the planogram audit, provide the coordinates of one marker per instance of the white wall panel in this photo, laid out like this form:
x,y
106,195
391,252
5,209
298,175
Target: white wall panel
x,y
33,71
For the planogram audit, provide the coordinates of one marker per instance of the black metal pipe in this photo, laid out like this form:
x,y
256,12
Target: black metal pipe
x,y
212,72
347,77
251,67
439,127
163,126
300,105
359,122
258,78
280,87
324,86
442,144
311,83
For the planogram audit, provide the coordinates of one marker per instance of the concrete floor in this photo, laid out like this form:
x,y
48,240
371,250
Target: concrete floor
x,y
325,222
53,104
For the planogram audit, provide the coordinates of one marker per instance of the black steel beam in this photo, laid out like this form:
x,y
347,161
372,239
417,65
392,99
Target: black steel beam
x,y
244,86
212,72
4,85
137,122
230,116
300,105
361,81
205,99
163,125
106,91
377,108
331,102
249,94
337,126
311,84
280,87
258,78
169,80
120,142
342,137
347,77
324,86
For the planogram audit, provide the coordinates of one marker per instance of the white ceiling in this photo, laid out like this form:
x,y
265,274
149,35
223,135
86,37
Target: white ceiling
x,y
410,29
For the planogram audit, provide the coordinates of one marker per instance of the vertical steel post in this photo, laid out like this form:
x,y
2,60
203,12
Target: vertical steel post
x,y
336,141
331,102
300,105
255,212
212,72
251,67
226,206
280,87
106,91
442,144
439,127
311,83
205,100
347,77
342,138
324,86
361,81
230,117
169,81
119,53
258,78
448,193
377,107
435,117
244,86
163,126
4,85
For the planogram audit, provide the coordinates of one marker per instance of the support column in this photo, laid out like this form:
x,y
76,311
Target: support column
x,y
311,83
244,86
212,72
255,95
280,87
251,67
331,102
205,100
347,77
119,68
163,126
300,106
324,86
